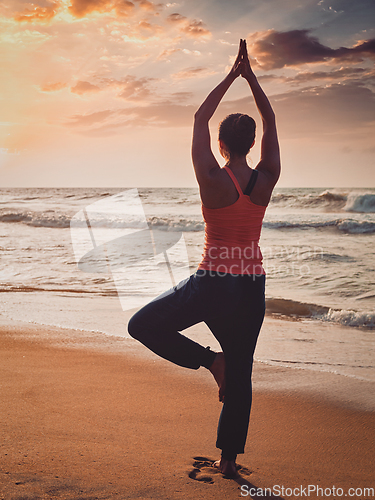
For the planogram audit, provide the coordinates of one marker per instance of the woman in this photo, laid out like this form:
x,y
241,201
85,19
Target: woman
x,y
227,291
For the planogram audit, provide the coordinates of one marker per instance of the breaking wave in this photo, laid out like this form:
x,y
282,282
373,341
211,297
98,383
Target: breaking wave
x,y
294,309
328,200
181,224
36,219
343,225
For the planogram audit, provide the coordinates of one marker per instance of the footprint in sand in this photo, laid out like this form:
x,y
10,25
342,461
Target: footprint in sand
x,y
204,470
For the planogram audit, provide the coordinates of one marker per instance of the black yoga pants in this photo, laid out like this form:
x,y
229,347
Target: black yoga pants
x,y
233,308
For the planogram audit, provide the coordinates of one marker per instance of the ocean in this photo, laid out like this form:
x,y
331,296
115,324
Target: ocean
x,y
317,244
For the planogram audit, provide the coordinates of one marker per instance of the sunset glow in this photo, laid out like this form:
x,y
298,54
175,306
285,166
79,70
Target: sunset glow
x,y
103,92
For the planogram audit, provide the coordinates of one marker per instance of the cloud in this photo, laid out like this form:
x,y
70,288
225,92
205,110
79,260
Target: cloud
x,y
343,112
326,111
131,88
196,29
191,27
122,60
142,12
315,113
339,74
199,72
90,119
274,49
267,78
182,96
82,87
167,53
149,6
164,114
163,56
38,13
145,29
110,122
176,18
123,8
53,87
344,74
135,89
26,37
80,8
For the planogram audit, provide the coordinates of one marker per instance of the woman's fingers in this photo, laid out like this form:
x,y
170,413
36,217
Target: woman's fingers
x,y
245,54
240,49
246,61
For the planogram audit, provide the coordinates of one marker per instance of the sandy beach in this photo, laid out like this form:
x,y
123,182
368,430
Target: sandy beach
x,y
84,420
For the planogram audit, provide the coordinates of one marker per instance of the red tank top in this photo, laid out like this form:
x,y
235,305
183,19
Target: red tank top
x,y
232,235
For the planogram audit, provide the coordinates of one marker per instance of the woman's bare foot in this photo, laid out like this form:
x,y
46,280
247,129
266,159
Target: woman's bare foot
x,y
226,467
218,371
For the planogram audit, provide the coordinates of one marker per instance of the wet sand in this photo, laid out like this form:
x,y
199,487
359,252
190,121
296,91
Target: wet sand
x,y
96,421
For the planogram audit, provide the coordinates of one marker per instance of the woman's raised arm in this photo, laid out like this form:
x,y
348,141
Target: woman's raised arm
x,y
203,159
269,162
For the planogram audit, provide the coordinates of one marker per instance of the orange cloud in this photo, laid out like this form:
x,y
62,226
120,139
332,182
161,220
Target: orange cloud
x,y
123,8
146,5
135,89
131,88
79,8
90,119
84,88
37,13
182,96
166,53
53,87
191,27
145,29
106,123
196,29
193,73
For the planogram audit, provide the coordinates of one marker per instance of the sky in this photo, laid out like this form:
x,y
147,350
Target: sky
x,y
102,93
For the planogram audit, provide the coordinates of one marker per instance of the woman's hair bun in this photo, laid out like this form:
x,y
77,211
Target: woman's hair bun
x,y
237,132
244,123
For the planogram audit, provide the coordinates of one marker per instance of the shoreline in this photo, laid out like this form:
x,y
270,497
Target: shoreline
x,y
83,420
338,388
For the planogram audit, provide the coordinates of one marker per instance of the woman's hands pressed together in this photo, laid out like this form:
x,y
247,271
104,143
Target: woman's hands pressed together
x,y
241,65
236,69
246,71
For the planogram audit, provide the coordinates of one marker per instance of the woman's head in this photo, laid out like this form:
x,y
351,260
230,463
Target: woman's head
x,y
236,135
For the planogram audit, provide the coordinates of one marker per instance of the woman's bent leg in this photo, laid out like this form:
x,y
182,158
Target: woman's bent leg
x,y
157,325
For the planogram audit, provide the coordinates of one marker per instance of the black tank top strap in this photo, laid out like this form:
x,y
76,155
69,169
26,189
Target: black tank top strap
x,y
251,183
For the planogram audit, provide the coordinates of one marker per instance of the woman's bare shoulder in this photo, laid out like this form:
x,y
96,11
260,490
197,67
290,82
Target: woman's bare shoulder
x,y
262,191
218,191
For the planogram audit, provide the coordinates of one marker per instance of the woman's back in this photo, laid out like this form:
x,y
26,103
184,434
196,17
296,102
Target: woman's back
x,y
221,192
232,234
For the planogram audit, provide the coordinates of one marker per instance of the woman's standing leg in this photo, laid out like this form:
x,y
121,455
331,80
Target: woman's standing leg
x,y
238,333
233,308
